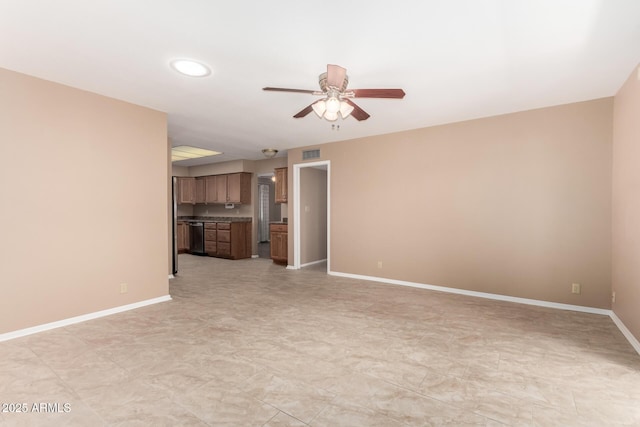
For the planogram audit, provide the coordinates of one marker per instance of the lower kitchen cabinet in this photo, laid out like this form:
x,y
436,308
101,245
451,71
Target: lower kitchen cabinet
x,y
279,243
183,236
210,238
228,239
224,239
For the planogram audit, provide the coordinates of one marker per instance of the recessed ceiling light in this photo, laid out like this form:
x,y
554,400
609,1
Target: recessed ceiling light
x,y
190,68
185,152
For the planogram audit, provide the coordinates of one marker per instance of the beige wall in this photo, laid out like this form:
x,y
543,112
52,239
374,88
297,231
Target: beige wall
x,y
84,202
179,170
626,203
313,215
517,205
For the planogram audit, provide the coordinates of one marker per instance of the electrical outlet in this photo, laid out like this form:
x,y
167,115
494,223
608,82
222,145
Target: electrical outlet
x,y
575,288
379,264
124,288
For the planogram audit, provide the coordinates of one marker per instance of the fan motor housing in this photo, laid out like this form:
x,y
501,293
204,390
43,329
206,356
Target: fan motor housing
x,y
323,83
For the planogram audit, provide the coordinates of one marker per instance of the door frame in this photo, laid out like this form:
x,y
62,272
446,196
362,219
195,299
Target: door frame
x,y
296,211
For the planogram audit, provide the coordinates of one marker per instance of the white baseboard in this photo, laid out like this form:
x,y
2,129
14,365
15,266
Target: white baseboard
x,y
66,322
628,335
498,297
320,261
171,276
72,320
626,332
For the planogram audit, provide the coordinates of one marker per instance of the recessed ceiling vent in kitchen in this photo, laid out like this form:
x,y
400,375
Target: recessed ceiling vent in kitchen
x,y
310,154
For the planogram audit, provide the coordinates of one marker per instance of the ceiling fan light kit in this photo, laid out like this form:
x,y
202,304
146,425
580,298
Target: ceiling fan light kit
x,y
336,102
329,109
345,109
319,107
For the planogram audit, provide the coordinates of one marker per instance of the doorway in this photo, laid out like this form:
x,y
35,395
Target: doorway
x,y
267,212
311,213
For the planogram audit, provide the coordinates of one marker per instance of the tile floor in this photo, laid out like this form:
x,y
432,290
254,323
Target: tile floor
x,y
248,343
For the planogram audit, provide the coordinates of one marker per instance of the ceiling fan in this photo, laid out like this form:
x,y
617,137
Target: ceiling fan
x,y
336,101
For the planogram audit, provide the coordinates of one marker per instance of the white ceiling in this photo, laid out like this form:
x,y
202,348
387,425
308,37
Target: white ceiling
x,y
455,59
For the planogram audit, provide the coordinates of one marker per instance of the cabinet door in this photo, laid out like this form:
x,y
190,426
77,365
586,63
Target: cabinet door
x,y
179,237
233,188
200,190
239,188
240,240
211,189
281,185
279,248
187,236
183,237
186,190
221,188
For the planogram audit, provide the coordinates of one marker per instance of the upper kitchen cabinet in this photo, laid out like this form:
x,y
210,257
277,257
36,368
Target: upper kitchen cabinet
x,y
227,188
281,185
221,188
210,188
239,188
200,190
234,188
186,190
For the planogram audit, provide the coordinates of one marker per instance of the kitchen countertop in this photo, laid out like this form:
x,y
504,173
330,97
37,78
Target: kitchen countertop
x,y
214,218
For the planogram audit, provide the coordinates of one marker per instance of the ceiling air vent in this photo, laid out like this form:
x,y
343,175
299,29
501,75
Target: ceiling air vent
x,y
310,154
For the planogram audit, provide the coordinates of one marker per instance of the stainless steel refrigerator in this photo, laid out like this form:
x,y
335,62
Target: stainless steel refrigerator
x,y
174,222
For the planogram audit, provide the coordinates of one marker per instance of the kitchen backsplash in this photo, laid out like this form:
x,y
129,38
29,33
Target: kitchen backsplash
x,y
185,210
220,210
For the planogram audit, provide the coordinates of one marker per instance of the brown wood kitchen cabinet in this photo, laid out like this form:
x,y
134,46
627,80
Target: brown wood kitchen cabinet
x,y
226,188
183,236
239,188
279,243
200,194
233,240
186,190
210,238
234,188
210,189
281,185
221,188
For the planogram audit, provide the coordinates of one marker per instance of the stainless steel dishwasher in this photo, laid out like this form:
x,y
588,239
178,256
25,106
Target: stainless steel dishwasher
x,y
196,238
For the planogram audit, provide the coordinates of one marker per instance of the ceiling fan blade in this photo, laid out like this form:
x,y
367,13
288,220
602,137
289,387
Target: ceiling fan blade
x,y
335,75
304,112
357,113
282,89
378,93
